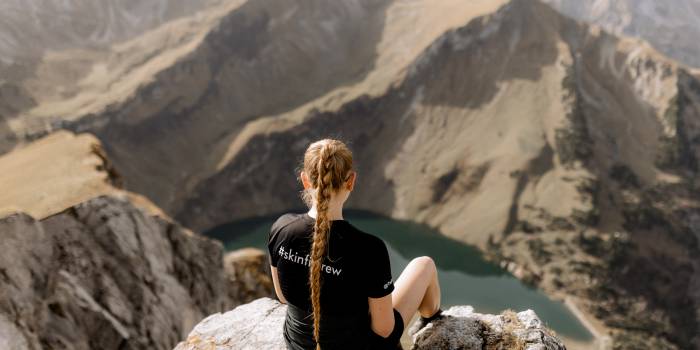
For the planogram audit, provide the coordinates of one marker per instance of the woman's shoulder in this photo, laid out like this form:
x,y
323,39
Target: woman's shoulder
x,y
283,219
365,237
286,220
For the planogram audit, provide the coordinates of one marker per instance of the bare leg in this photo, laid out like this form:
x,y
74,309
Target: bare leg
x,y
417,289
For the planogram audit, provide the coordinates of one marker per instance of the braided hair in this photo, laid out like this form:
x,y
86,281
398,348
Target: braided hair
x,y
328,164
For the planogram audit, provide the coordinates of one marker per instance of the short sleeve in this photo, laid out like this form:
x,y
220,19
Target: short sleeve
x,y
379,282
272,244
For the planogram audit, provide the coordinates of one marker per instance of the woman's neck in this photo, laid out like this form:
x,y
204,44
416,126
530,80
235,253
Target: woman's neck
x,y
334,212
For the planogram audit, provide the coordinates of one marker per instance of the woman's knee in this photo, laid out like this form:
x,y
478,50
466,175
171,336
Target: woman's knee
x,y
425,263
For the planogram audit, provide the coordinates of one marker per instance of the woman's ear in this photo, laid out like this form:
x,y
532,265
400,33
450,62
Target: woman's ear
x,y
351,181
305,180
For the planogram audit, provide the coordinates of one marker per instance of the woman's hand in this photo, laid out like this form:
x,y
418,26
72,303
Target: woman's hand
x,y
382,312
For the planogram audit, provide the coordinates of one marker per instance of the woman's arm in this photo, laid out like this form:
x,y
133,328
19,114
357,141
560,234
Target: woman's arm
x,y
382,312
276,282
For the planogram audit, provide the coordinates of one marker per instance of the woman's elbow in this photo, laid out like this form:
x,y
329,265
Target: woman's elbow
x,y
384,329
280,297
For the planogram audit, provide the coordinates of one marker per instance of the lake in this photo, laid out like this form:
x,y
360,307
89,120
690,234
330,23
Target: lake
x,y
466,278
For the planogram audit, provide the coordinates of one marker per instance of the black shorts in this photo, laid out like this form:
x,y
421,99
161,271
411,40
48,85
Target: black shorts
x,y
393,340
340,334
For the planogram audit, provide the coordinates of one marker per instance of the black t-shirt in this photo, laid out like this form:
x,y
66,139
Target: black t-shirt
x,y
356,266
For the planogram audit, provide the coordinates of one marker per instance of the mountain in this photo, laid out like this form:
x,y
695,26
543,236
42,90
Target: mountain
x,y
40,93
673,27
566,153
205,89
29,28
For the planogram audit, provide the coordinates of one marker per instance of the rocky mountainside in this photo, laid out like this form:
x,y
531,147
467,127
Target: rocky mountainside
x,y
673,27
103,275
42,91
97,267
258,325
29,28
570,154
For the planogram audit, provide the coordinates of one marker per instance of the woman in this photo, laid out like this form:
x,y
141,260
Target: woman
x,y
335,278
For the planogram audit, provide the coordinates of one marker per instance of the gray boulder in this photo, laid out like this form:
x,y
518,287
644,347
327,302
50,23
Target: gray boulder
x,y
258,326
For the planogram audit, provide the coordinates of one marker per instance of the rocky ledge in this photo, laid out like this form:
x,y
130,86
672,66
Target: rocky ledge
x,y
104,274
258,325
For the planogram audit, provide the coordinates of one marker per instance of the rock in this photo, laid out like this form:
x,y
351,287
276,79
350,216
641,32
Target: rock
x,y
258,325
247,275
462,328
103,274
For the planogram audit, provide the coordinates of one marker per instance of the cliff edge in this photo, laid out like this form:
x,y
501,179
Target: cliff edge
x,y
258,325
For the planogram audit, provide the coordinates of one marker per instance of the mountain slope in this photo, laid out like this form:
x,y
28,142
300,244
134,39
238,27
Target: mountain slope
x,y
176,127
31,27
59,171
672,27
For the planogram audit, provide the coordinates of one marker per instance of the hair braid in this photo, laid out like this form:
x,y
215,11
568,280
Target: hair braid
x,y
328,162
320,240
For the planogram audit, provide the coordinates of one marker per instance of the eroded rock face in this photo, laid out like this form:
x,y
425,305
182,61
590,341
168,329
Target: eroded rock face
x,y
247,275
258,325
104,275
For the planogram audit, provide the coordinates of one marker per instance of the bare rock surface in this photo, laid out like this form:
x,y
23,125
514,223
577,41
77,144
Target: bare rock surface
x,y
103,274
247,275
258,325
462,328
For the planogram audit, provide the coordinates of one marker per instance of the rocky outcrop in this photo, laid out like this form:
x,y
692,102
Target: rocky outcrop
x,y
104,274
258,325
462,328
247,275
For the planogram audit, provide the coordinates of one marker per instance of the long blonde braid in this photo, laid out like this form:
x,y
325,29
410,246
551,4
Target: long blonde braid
x,y
328,163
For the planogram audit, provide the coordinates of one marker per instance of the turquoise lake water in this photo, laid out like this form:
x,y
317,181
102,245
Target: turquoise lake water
x,y
465,277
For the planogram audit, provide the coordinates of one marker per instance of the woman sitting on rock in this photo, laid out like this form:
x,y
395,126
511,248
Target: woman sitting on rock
x,y
335,278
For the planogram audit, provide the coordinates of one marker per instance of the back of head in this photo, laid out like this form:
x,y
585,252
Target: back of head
x,y
328,164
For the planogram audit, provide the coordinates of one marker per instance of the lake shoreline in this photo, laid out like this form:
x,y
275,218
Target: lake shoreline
x,y
601,341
